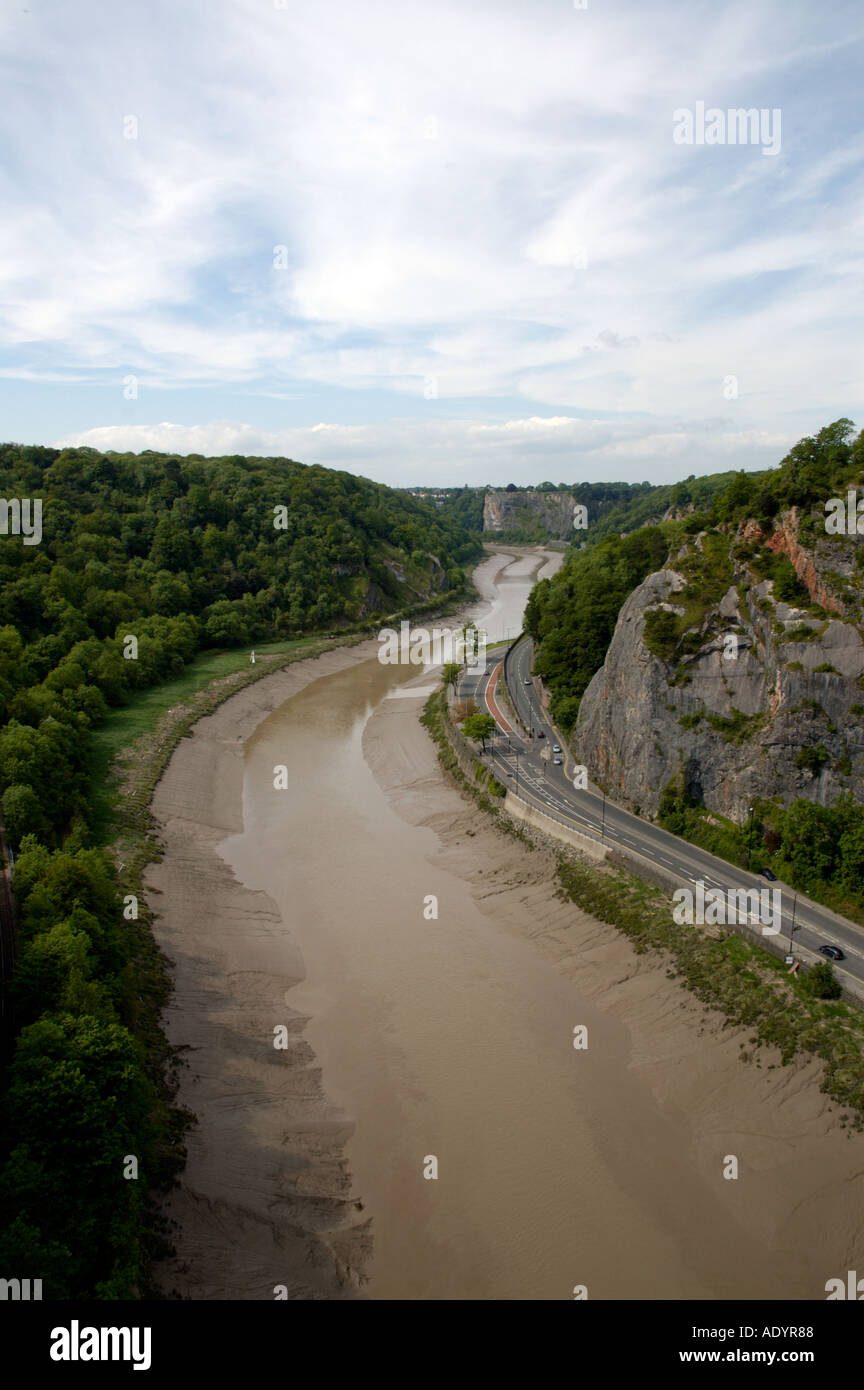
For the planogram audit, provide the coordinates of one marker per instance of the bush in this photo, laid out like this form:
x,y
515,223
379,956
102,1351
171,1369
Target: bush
x,y
661,633
812,759
787,586
821,981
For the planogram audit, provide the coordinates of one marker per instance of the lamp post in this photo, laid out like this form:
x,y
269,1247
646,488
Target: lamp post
x,y
749,839
517,752
603,821
793,928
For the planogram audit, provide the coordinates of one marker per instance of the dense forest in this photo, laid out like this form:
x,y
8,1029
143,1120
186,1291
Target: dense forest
x,y
572,616
181,554
463,505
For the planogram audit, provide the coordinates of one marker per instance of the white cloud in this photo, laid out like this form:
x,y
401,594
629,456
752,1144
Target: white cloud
x,y
485,194
451,452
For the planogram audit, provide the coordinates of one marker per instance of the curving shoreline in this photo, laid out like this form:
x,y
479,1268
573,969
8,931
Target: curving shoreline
x,y
251,1212
266,1196
251,1216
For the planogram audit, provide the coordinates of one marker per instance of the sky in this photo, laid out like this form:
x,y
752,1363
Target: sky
x,y
432,243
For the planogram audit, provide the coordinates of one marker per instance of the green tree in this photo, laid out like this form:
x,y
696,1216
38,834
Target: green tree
x,y
450,673
22,814
479,726
77,1104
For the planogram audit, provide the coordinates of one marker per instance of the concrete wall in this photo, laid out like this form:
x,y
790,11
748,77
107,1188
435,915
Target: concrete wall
x,y
520,810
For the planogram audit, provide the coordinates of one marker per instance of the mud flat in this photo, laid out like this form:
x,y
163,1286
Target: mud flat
x,y
410,1036
672,1097
265,1196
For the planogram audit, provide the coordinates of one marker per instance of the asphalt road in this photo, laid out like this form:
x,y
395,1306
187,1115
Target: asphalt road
x,y
527,760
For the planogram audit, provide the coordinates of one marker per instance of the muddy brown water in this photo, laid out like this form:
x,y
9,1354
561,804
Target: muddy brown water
x,y
452,1038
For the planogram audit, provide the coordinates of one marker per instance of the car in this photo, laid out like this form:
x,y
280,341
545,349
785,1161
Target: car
x,y
527,680
556,748
832,952
540,733
766,873
558,761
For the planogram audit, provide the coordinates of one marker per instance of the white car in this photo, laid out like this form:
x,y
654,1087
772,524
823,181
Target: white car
x,y
558,761
556,748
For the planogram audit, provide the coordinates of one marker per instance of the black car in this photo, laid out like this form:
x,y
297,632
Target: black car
x,y
832,952
766,873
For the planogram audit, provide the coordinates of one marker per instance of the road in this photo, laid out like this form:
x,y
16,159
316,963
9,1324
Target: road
x,y
523,759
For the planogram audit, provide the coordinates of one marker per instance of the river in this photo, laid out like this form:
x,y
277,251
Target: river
x,y
452,1038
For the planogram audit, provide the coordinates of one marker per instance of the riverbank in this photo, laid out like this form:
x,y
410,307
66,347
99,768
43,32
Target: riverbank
x,y
264,1199
447,1036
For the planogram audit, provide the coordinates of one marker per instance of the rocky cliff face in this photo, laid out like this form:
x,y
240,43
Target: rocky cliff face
x,y
516,511
763,698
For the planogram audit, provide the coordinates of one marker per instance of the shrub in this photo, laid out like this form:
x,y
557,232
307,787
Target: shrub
x,y
821,981
661,633
812,759
787,586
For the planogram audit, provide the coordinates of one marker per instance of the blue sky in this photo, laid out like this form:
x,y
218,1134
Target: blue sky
x,y
495,261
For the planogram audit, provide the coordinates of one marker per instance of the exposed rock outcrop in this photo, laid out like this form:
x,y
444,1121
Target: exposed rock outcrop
x,y
515,511
764,699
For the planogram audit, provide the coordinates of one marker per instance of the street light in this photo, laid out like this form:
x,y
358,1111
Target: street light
x,y
603,821
793,928
749,839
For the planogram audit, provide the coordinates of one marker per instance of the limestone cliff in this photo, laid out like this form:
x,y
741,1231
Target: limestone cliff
x,y
532,512
744,695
